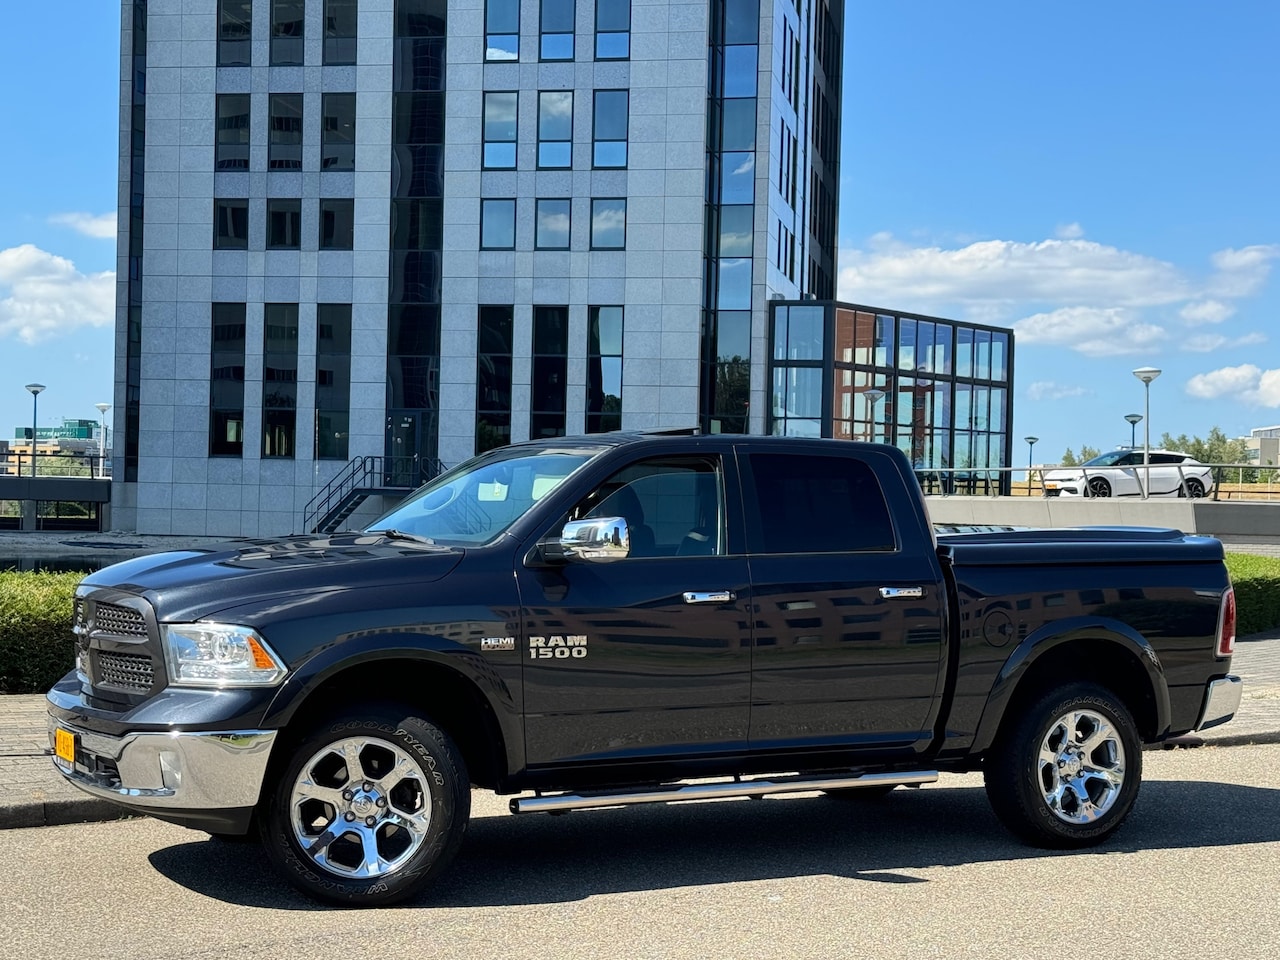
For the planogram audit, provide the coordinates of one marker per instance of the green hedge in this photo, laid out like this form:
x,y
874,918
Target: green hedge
x,y
36,647
1257,583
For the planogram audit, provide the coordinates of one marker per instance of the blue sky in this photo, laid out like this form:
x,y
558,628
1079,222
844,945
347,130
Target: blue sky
x,y
1103,179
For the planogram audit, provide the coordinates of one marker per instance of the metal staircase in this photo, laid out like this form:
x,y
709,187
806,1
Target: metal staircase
x,y
362,478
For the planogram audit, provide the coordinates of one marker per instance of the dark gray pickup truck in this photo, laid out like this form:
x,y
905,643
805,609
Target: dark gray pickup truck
x,y
597,621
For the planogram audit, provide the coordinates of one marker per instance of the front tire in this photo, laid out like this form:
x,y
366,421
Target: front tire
x,y
369,809
1098,487
1065,771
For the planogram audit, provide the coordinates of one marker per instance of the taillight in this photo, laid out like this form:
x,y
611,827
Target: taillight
x,y
1227,624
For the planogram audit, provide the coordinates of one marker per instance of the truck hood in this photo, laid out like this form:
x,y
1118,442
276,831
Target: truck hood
x,y
187,585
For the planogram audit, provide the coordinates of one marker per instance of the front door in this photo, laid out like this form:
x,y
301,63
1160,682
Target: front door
x,y
648,656
404,449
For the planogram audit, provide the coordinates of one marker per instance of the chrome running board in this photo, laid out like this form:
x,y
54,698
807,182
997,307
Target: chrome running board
x,y
675,793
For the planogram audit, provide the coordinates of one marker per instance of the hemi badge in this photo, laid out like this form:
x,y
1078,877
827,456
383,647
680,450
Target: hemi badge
x,y
497,643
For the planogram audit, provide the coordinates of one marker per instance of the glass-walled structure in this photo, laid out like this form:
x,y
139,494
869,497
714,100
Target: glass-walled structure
x,y
937,389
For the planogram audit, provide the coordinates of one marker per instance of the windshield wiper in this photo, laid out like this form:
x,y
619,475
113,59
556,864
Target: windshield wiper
x,y
392,533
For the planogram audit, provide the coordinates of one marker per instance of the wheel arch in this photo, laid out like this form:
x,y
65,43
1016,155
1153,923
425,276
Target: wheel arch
x,y
429,683
1105,652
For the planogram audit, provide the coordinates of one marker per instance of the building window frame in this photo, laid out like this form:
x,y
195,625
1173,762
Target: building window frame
x,y
605,367
284,224
555,129
226,380
545,209
231,138
337,223
499,132
548,398
288,33
341,32
605,153
279,381
556,28
502,31
235,33
284,131
492,208
600,207
338,132
614,41
231,223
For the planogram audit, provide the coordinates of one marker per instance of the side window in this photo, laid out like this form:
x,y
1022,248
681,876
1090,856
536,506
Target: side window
x,y
1165,459
1129,459
673,507
816,504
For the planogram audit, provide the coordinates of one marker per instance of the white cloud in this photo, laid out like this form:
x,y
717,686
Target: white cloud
x,y
1206,311
1205,343
1242,273
1247,384
1092,331
1069,231
45,296
101,227
1048,390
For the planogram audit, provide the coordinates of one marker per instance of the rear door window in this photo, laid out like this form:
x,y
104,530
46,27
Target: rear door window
x,y
816,504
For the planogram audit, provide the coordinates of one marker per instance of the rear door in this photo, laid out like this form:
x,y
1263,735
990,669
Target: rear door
x,y
646,657
848,604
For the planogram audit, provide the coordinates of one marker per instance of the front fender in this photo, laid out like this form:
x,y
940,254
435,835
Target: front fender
x,y
466,664
1055,637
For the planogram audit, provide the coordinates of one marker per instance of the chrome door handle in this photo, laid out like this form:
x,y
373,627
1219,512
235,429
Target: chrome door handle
x,y
713,596
901,593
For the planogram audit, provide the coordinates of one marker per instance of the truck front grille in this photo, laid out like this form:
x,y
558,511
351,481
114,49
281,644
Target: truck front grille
x,y
126,671
121,621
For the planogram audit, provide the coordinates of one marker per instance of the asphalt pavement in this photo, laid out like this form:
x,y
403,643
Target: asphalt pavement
x,y
33,793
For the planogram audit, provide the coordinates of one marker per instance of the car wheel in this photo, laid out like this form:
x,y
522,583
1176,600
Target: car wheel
x,y
369,809
1195,489
1065,770
1098,487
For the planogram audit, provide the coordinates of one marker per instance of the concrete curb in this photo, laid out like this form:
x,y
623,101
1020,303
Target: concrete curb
x,y
57,813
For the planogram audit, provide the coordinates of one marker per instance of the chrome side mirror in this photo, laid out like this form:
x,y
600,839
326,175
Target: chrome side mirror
x,y
599,540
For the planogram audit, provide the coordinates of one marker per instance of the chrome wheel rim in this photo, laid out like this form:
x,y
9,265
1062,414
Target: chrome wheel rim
x,y
1081,766
360,807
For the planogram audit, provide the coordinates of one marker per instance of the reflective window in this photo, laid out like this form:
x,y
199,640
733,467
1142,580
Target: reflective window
x,y
493,377
284,131
733,335
736,230
551,230
797,392
741,21
226,381
340,31
609,128
500,131
417,224
738,178
982,354
608,224
235,30
231,148
417,118
337,223
550,372
230,224
502,30
613,29
557,25
999,356
555,128
417,170
805,334
497,224
279,379
338,131
734,291
284,224
885,340
740,71
739,125
814,504
604,369
287,18
333,380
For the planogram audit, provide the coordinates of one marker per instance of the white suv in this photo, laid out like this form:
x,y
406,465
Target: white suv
x,y
1121,473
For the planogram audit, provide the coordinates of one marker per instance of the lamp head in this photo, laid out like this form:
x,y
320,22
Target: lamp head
x,y
873,395
1032,440
35,388
1147,374
1133,418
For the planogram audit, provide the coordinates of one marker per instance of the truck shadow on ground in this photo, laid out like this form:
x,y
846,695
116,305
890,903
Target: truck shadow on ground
x,y
534,859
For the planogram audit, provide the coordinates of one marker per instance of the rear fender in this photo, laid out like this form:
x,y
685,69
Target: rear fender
x,y
1056,639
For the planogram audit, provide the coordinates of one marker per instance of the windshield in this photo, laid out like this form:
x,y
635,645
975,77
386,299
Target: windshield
x,y
478,500
1106,459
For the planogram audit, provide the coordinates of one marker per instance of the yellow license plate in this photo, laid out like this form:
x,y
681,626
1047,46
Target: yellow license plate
x,y
64,745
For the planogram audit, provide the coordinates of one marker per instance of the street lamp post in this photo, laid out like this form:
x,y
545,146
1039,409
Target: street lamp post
x,y
1031,446
1134,419
35,389
102,439
1146,375
873,396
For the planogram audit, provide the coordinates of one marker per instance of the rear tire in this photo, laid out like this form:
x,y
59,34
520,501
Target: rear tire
x,y
1065,771
369,809
1195,489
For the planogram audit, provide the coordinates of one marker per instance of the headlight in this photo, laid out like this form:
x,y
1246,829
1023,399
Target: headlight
x,y
219,655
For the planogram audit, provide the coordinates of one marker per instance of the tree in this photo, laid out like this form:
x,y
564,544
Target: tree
x,y
1088,453
1069,459
1215,448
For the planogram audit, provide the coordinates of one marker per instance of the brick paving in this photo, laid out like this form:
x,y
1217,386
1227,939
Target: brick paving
x,y
33,793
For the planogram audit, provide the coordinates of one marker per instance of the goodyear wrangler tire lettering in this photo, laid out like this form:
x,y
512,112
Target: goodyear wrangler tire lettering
x,y
369,809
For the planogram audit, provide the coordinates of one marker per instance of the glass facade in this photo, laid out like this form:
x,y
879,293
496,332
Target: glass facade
x,y
939,390
137,194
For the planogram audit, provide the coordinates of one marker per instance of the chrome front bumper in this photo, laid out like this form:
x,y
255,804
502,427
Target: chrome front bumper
x,y
1221,702
170,771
